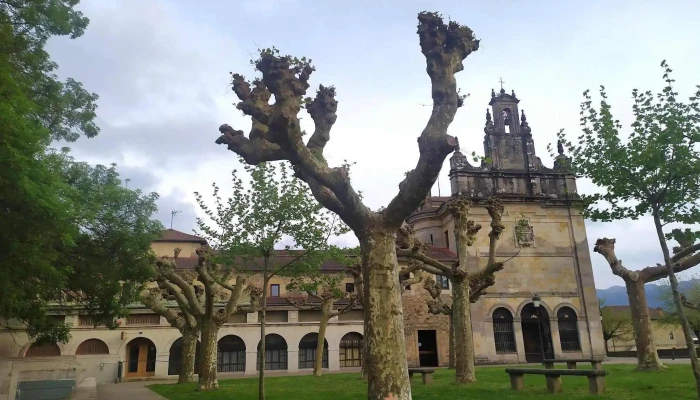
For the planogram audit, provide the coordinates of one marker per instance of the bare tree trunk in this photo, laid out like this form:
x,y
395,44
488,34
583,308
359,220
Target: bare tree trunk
x,y
207,368
647,357
452,341
318,362
365,351
189,352
464,345
387,367
687,332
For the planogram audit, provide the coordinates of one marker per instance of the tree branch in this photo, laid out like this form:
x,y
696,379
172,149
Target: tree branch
x,y
410,247
606,248
444,46
165,268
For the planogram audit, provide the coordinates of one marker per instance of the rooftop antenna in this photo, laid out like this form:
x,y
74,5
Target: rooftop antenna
x,y
438,182
172,216
127,180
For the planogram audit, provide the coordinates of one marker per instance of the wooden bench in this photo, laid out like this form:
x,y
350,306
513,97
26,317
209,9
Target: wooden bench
x,y
571,364
426,374
596,378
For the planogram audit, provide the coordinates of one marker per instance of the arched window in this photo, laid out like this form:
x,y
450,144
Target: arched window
x,y
507,119
231,354
503,332
92,346
275,352
307,351
43,350
568,329
175,357
351,350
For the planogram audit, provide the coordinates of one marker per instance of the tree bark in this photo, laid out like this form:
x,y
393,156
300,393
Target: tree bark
x,y
263,314
189,353
464,345
647,357
387,367
452,341
318,362
207,368
687,331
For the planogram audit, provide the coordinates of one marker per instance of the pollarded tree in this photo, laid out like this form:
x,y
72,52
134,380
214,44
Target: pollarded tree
x,y
206,298
247,228
655,171
276,135
465,231
647,357
440,304
156,298
323,293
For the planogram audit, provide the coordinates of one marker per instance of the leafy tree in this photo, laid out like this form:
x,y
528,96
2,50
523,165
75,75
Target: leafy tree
x,y
276,135
323,293
616,325
461,280
654,171
691,296
247,227
69,231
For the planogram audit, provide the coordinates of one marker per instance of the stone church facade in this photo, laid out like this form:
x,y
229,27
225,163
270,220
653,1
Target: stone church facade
x,y
544,242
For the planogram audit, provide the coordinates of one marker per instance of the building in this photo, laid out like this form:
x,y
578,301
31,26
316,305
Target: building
x,y
545,237
667,335
545,242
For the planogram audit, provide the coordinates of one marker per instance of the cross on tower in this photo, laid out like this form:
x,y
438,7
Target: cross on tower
x,y
501,81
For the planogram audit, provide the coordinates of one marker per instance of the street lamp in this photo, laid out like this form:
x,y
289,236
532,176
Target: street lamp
x,y
536,301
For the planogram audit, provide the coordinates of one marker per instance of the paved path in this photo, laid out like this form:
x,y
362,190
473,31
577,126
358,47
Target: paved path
x,y
128,390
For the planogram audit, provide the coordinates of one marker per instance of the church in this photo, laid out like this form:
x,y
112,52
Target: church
x,y
544,243
542,305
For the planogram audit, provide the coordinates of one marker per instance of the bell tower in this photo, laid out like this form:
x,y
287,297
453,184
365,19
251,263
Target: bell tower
x,y
508,142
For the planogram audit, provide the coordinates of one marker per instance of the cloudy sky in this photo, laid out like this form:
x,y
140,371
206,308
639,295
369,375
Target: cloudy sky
x,y
161,69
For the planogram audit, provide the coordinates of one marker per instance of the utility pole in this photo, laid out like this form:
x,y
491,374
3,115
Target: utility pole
x,y
172,216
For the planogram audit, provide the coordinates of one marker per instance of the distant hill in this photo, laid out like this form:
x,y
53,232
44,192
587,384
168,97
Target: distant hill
x,y
617,295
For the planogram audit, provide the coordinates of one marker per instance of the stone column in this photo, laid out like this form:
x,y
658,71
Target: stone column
x,y
162,359
333,358
293,358
251,361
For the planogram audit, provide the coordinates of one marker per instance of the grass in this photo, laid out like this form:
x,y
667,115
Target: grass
x,y
622,383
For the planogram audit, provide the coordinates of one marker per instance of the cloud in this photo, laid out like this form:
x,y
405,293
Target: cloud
x,y
161,69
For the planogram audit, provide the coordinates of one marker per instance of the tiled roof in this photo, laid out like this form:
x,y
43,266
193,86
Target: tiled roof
x,y
283,257
654,313
441,253
171,235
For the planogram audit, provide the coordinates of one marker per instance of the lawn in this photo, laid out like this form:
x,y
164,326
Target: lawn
x,y
621,384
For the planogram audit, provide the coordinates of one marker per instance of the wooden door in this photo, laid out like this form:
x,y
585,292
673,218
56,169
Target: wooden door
x,y
140,358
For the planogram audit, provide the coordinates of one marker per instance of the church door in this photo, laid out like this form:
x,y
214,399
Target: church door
x,y
537,335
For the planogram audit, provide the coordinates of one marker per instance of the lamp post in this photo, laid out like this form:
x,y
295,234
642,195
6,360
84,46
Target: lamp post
x,y
536,301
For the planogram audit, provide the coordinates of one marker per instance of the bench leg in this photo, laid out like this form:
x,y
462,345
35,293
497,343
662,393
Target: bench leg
x,y
548,365
597,365
596,384
427,378
517,382
410,374
553,384
570,365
